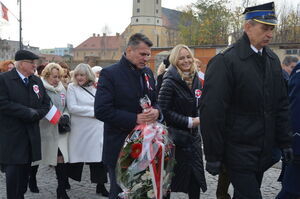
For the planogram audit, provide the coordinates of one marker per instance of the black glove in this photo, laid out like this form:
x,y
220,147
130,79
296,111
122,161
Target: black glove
x,y
34,115
64,119
213,167
287,154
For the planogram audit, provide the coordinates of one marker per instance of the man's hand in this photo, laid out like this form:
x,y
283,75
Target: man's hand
x,y
34,115
287,154
213,167
147,117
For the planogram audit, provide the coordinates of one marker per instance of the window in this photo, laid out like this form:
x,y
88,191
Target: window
x,y
137,10
157,1
138,1
291,52
137,20
156,11
157,21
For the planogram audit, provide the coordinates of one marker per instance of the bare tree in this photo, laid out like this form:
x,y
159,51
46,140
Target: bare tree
x,y
106,29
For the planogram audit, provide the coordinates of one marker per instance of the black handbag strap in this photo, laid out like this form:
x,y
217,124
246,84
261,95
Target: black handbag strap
x,y
87,91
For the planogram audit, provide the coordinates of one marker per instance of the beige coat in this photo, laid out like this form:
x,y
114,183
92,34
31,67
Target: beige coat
x,y
50,138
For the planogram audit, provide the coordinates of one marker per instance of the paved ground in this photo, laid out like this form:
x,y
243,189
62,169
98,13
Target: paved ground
x,y
85,190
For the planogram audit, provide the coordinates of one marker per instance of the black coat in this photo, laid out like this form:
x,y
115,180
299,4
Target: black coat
x,y
117,104
20,140
178,102
244,107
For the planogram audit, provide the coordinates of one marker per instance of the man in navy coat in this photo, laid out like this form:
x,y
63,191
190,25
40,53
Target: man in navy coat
x,y
120,88
23,102
291,178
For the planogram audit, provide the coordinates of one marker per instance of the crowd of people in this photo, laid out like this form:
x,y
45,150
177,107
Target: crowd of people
x,y
244,111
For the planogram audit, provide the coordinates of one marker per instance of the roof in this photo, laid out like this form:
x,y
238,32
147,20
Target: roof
x,y
52,58
171,18
100,43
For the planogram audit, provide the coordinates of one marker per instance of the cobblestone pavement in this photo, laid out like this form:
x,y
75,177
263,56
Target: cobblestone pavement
x,y
85,190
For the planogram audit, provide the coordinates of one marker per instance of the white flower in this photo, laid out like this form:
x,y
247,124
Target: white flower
x,y
164,173
136,187
151,194
146,176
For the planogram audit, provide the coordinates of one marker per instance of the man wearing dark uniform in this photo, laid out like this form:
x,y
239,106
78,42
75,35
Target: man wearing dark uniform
x,y
244,107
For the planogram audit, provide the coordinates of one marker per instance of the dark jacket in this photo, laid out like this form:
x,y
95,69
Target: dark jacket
x,y
117,104
294,97
291,178
20,140
244,107
178,102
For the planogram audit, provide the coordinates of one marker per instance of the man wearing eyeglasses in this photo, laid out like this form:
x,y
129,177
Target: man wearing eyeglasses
x,y
23,102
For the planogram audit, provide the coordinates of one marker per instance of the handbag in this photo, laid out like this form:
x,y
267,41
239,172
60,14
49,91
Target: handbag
x,y
64,127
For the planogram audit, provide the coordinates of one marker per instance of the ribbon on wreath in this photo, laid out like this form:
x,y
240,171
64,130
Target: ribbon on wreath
x,y
154,150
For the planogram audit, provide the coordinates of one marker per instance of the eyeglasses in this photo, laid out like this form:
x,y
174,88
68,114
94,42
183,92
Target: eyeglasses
x,y
30,62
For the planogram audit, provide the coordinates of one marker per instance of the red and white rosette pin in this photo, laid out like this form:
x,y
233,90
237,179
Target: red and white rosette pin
x,y
36,90
198,93
63,99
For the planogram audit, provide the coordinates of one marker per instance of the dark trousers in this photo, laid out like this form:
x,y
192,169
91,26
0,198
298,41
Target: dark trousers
x,y
114,187
98,172
246,184
16,180
223,185
194,188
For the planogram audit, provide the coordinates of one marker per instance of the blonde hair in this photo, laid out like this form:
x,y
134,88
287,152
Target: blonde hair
x,y
161,69
84,69
174,57
48,69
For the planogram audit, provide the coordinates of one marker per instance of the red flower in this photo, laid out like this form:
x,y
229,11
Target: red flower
x,y
136,149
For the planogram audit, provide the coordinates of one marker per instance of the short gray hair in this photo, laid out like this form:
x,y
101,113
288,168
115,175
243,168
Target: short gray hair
x,y
85,69
137,38
289,59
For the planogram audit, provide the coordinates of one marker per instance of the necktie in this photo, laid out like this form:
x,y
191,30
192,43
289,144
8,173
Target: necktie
x,y
26,81
259,53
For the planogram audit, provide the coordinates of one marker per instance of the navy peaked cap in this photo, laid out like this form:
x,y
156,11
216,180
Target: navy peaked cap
x,y
264,13
25,55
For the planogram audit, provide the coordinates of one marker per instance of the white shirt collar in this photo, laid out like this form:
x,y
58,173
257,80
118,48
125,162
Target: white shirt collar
x,y
21,75
255,49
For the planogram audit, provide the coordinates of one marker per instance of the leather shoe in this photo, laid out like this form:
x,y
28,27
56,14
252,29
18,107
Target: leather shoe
x,y
33,186
101,189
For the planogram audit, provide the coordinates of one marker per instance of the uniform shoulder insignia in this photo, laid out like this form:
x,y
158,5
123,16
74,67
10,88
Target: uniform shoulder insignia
x,y
226,49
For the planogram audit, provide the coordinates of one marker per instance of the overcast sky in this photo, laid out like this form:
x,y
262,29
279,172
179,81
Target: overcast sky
x,y
55,23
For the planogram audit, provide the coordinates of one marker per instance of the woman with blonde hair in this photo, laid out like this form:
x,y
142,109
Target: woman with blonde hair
x,y
86,139
179,101
66,78
54,142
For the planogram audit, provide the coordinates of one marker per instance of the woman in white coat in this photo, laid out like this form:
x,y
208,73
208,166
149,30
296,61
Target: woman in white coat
x,y
86,137
54,144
